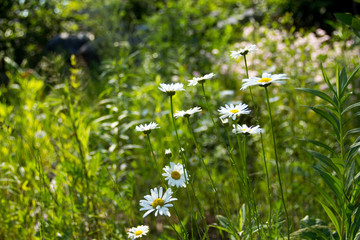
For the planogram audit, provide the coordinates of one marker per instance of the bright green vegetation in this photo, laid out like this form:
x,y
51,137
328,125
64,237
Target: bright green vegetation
x,y
72,165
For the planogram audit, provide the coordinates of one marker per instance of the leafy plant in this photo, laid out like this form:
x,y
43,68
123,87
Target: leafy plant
x,y
338,168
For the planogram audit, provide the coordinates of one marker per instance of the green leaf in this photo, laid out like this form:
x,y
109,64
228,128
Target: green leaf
x,y
319,94
331,216
319,144
329,200
334,183
352,152
351,107
354,228
352,131
325,160
327,80
343,79
327,117
351,76
345,18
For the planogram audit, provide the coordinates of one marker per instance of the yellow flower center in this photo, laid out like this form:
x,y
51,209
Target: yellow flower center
x,y
244,129
234,111
264,80
157,202
138,232
175,175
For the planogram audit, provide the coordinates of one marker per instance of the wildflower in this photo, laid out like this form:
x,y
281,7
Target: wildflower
x,y
146,128
264,81
138,232
193,160
197,80
243,51
40,134
168,152
170,89
157,202
187,113
175,175
224,121
232,111
237,129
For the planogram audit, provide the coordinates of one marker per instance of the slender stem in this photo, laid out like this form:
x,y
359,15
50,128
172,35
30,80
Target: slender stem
x,y
341,142
187,182
172,226
277,162
249,187
198,147
263,149
245,185
246,67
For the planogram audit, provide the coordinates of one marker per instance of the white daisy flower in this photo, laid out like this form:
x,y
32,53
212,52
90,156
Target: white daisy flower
x,y
224,121
170,89
176,175
40,134
237,129
168,152
193,160
138,232
243,51
157,202
187,113
146,128
197,80
232,111
265,80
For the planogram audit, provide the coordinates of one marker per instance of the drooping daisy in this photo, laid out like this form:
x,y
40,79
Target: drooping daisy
x,y
170,89
243,51
232,111
197,80
176,175
168,152
265,80
146,128
224,121
187,113
237,129
157,202
138,232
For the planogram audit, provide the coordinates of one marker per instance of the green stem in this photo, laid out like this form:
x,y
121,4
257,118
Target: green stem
x,y
245,185
187,181
344,207
277,162
263,150
198,147
173,228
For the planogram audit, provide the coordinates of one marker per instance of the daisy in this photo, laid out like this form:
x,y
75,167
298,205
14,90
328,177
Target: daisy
x,y
224,121
193,161
237,129
243,51
138,232
157,202
168,152
187,113
232,111
146,128
170,89
265,80
175,175
197,80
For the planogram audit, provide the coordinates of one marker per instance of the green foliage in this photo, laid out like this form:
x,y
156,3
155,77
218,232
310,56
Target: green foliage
x,y
339,169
